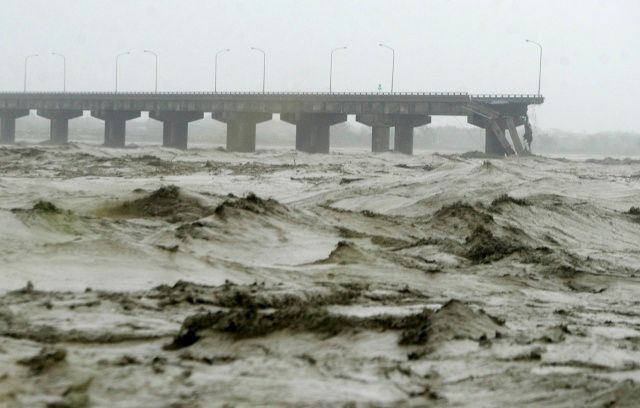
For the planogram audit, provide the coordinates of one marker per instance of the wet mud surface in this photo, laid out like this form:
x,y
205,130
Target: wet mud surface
x,y
151,277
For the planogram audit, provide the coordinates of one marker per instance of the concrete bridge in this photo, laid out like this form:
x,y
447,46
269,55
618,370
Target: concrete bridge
x,y
313,114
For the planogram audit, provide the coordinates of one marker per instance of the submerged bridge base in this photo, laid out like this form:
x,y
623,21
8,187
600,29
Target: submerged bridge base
x,y
115,123
241,129
59,133
381,125
313,129
8,124
175,126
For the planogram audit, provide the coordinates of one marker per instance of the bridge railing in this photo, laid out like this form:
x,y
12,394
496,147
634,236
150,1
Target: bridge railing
x,y
238,93
496,96
278,93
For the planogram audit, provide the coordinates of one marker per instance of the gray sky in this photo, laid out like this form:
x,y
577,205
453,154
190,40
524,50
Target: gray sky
x,y
591,71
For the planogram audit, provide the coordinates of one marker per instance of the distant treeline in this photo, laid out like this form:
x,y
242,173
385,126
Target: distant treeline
x,y
349,134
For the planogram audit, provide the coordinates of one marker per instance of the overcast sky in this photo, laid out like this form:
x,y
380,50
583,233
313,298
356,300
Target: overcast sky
x,y
591,67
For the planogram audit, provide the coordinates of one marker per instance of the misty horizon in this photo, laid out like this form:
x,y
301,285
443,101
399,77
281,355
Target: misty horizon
x,y
444,51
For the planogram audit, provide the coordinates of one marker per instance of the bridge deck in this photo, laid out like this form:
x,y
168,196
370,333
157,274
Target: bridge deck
x,y
427,103
313,113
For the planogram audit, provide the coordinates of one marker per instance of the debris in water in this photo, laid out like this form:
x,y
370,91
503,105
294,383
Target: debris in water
x,y
75,396
345,253
168,248
167,202
46,207
47,358
249,322
248,316
345,180
485,247
251,203
27,290
505,198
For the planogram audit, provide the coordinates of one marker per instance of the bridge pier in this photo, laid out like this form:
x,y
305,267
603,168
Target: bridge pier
x,y
59,118
380,130
404,124
492,143
241,128
495,140
115,125
313,129
8,124
175,130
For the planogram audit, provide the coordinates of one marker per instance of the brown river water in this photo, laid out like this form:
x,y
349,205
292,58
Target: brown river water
x,y
149,277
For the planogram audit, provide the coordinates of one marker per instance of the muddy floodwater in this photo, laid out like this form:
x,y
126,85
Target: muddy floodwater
x,y
149,277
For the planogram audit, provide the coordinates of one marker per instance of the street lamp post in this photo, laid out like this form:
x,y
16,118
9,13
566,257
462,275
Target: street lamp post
x,y
64,70
393,62
26,59
331,67
156,57
539,64
264,65
215,70
117,60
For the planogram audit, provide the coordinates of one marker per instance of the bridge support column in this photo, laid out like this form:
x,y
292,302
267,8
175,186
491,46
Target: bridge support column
x,y
313,129
175,130
495,140
241,128
59,123
8,124
404,124
380,136
380,130
115,125
492,143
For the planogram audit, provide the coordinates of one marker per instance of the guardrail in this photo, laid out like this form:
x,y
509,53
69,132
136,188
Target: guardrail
x,y
258,94
243,93
503,96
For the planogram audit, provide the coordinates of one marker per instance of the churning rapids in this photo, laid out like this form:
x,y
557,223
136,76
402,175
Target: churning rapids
x,y
148,277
